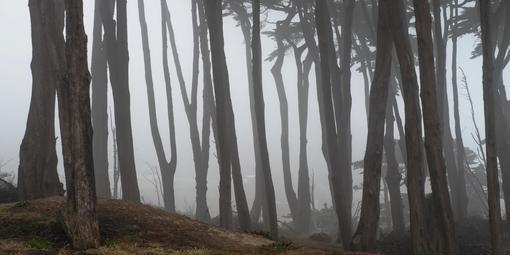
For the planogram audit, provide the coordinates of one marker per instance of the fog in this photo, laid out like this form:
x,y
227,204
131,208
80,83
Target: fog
x,y
15,91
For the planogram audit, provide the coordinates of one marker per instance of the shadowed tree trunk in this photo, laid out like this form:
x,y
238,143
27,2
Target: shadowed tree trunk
x,y
118,63
433,140
365,236
413,133
100,106
76,129
489,93
37,172
327,63
261,123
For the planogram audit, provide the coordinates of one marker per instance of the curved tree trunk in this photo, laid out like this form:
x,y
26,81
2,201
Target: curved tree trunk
x,y
37,172
365,237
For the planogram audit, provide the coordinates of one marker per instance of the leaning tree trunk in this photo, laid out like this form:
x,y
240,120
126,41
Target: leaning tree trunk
x,y
221,83
100,106
489,94
37,172
433,139
366,235
76,129
413,133
261,123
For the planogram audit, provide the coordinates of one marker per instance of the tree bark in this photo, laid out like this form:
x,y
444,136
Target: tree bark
x,y
76,128
489,94
432,124
365,236
37,172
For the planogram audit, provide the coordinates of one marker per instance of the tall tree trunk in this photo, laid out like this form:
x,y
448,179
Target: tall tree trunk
x,y
432,124
365,236
261,123
413,133
100,106
489,94
118,62
457,193
462,199
37,172
325,35
76,128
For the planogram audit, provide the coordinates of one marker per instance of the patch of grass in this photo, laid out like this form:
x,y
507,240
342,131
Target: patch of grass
x,y
277,247
39,243
21,204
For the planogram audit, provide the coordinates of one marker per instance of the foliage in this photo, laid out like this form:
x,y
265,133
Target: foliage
x,y
277,247
40,243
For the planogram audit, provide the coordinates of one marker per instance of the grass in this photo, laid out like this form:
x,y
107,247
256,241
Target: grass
x,y
40,243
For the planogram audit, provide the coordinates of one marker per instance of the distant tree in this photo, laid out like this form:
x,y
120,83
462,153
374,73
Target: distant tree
x,y
37,172
99,69
76,128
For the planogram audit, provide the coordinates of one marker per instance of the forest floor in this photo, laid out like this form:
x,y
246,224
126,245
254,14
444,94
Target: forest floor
x,y
34,227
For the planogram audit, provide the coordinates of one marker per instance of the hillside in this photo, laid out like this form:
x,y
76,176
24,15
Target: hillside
x,y
126,228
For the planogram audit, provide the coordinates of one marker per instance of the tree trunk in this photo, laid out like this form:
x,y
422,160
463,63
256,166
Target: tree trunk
x,y
365,236
432,124
261,123
100,106
489,93
118,62
413,133
76,129
37,172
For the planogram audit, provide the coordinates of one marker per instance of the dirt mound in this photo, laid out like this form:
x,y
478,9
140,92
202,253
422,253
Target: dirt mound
x,y
34,227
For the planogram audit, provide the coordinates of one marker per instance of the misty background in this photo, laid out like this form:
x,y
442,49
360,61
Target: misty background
x,y
15,91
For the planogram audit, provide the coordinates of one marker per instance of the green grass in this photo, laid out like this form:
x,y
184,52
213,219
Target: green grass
x,y
39,243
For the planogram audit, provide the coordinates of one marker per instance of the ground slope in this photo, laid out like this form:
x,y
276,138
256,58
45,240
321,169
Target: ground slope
x,y
127,228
